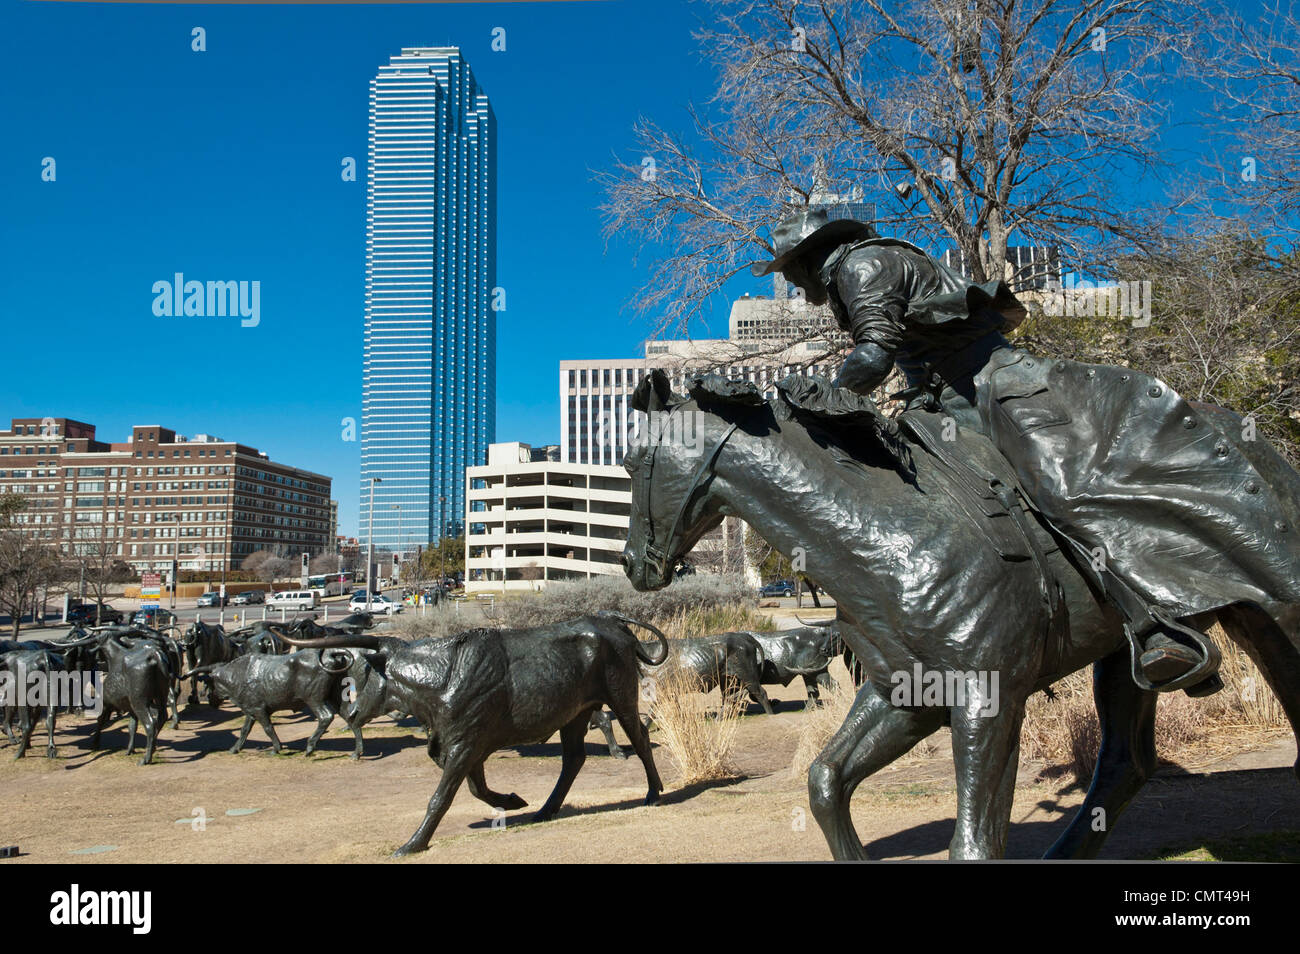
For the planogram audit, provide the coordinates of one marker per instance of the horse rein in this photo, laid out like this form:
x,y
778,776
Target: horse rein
x,y
656,557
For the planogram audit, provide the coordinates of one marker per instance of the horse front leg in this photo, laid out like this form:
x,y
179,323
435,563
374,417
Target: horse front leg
x,y
873,735
1125,761
986,752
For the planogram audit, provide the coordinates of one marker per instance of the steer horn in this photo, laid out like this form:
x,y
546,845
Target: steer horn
x,y
334,642
825,622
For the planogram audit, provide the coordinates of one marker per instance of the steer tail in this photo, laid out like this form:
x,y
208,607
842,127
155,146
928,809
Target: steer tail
x,y
198,671
641,653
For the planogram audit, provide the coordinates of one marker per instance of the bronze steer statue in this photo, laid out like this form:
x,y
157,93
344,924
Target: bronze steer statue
x,y
806,651
732,660
260,684
139,674
488,689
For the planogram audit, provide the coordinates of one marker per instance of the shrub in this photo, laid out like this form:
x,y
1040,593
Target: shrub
x,y
698,741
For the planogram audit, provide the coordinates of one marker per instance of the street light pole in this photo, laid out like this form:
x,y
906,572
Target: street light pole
x,y
442,544
398,508
370,542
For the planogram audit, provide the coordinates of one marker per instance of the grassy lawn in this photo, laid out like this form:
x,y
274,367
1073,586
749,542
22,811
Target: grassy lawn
x,y
1276,846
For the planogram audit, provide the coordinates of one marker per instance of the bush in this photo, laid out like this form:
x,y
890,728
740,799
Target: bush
x,y
1063,732
708,600
698,741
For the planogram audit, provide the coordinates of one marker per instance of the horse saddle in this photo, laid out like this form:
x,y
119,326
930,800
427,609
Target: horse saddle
x,y
981,481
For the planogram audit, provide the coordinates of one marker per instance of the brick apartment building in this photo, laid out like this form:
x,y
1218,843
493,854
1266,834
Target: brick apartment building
x,y
160,496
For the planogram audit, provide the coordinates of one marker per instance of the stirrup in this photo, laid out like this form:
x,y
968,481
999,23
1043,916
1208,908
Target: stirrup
x,y
1202,680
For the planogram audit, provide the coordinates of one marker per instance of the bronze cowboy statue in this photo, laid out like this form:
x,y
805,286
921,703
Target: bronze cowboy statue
x,y
1171,517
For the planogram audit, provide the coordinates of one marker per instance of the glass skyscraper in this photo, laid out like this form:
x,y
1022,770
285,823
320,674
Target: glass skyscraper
x,y
429,388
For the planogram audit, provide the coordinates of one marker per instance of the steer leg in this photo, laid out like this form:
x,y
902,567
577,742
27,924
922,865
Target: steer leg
x,y
625,711
873,735
324,713
26,724
600,719
264,720
243,735
574,747
105,717
460,758
1125,761
132,723
49,728
361,745
151,721
479,789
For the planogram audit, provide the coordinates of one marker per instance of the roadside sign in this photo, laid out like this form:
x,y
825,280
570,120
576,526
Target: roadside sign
x,y
150,590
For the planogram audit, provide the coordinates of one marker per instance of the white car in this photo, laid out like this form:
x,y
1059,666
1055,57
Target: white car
x,y
293,600
378,604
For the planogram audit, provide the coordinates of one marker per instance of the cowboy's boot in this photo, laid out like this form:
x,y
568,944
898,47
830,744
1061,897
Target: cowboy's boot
x,y
1173,656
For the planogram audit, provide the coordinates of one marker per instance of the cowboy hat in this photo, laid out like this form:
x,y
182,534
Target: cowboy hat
x,y
806,230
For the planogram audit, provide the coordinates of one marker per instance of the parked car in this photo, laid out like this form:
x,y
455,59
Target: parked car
x,y
212,599
85,615
378,603
778,588
154,618
293,600
248,598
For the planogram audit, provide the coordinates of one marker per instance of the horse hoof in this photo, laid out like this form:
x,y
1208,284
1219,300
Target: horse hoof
x,y
513,801
543,817
407,849
234,750
651,798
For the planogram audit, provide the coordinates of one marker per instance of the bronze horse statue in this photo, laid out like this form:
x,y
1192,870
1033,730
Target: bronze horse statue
x,y
930,583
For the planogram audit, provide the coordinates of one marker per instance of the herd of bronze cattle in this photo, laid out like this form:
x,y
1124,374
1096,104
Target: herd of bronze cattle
x,y
473,693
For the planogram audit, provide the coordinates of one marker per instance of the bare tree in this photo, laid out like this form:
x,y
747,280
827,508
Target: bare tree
x,y
531,572
1224,327
968,122
29,566
95,559
1249,65
266,565
324,563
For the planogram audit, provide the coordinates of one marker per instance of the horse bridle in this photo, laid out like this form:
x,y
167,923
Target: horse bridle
x,y
656,557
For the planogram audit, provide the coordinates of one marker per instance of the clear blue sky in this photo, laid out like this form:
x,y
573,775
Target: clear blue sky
x,y
225,165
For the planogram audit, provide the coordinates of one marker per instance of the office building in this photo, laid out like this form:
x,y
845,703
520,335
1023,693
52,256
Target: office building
x,y
159,496
429,387
532,519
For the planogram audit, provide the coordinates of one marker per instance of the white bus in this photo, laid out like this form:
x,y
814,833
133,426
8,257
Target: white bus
x,y
329,584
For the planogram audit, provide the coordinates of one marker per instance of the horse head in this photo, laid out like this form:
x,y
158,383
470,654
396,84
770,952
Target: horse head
x,y
673,503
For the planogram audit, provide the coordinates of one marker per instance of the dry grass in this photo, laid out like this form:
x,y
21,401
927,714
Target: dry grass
x,y
1064,734
818,725
699,740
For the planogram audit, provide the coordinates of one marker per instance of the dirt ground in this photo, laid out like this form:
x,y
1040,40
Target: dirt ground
x,y
198,803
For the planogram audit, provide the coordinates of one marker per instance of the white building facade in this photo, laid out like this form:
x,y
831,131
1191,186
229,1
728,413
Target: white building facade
x,y
531,518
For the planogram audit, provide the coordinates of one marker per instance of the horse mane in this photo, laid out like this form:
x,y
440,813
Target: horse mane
x,y
846,424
